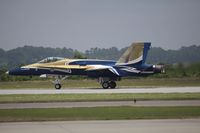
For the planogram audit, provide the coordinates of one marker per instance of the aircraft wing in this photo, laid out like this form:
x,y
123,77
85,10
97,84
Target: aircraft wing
x,y
102,69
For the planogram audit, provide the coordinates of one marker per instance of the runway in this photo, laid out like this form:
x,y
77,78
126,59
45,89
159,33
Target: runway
x,y
99,91
101,104
116,126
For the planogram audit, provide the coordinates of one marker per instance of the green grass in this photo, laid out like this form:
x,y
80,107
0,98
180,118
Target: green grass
x,y
25,98
87,83
98,113
160,82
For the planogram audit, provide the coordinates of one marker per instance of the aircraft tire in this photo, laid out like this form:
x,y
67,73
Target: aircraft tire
x,y
105,85
112,84
58,86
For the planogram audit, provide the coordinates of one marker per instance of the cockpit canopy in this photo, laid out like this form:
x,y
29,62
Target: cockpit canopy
x,y
50,59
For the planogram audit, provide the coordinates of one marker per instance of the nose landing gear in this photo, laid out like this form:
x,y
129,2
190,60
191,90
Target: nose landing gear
x,y
57,82
58,86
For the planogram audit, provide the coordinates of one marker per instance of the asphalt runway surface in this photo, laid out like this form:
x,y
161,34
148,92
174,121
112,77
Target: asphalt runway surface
x,y
99,91
110,126
101,104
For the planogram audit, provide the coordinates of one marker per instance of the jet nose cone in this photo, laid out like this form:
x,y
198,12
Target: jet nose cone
x,y
19,71
15,71
7,72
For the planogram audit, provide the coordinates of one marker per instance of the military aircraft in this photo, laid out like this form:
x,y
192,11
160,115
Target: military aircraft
x,y
131,63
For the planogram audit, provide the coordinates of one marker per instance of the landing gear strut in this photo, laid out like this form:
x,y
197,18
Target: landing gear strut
x,y
57,81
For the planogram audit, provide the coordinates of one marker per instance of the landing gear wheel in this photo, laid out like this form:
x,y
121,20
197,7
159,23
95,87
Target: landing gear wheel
x,y
112,84
105,85
57,86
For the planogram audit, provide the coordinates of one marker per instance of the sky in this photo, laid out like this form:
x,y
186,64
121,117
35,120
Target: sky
x,y
85,24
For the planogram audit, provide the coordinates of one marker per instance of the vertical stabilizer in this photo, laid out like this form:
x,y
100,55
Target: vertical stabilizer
x,y
136,53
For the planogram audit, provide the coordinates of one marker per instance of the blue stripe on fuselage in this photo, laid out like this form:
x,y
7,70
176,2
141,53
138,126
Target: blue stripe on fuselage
x,y
40,71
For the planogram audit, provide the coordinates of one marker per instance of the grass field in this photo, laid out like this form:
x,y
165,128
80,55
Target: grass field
x,y
26,98
98,113
140,82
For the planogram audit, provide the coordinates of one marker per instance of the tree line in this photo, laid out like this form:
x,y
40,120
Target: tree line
x,y
184,62
29,54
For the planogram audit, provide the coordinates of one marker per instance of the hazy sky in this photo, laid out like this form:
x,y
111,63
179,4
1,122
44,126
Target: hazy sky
x,y
82,24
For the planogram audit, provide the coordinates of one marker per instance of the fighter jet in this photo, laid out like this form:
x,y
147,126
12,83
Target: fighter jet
x,y
131,63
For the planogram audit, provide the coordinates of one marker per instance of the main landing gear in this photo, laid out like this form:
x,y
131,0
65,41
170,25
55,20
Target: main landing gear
x,y
107,82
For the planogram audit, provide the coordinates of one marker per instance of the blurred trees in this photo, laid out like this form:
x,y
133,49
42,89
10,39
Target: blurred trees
x,y
182,62
79,55
28,54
